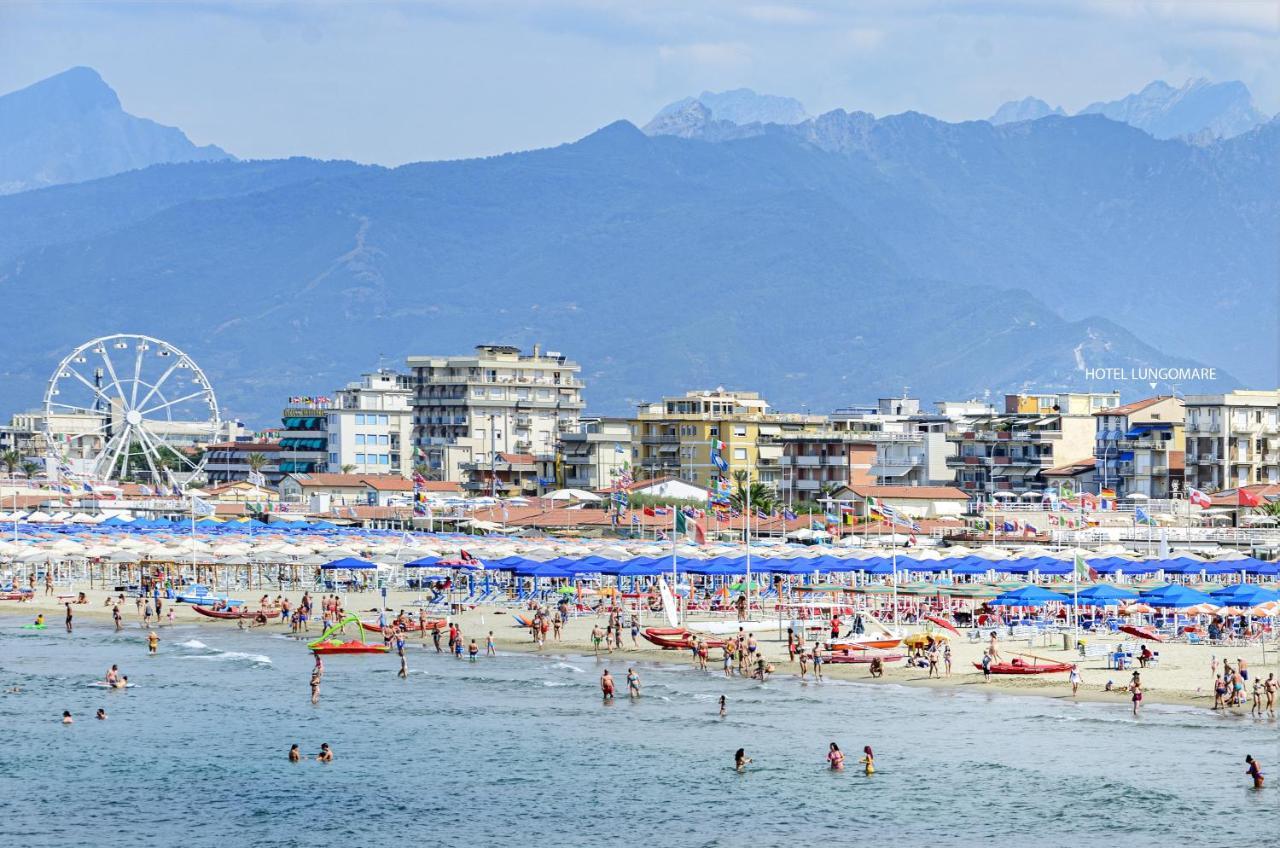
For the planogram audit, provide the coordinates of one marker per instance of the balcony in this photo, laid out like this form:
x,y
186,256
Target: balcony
x,y
807,461
808,485
659,440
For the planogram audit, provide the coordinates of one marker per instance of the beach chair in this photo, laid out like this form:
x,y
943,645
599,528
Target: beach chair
x,y
1154,659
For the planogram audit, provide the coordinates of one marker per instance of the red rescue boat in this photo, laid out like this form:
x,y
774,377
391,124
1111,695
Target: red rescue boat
x,y
1020,666
677,638
234,613
412,627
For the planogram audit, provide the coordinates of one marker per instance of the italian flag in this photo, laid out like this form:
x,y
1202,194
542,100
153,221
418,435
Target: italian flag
x,y
718,446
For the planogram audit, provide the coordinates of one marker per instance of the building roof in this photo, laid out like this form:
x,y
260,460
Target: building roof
x,y
238,486
516,458
1227,497
450,486
1071,469
641,485
379,482
1130,408
922,493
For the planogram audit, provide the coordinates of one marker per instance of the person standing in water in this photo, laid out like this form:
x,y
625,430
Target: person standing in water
x,y
69,617
66,717
868,760
489,649
606,685
1254,771
316,674
1136,689
633,683
741,760
153,641
294,754
723,712
835,757
326,753
101,714
473,650
115,616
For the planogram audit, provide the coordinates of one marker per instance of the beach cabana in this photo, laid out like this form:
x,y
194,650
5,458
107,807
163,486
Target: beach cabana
x,y
1028,596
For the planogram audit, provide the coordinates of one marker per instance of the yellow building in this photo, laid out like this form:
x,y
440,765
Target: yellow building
x,y
1067,403
675,437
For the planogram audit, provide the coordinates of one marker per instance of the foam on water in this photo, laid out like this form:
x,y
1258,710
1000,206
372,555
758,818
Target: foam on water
x,y
192,643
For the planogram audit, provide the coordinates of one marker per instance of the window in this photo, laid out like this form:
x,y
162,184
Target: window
x,y
384,439
359,459
713,432
359,438
384,419
333,459
359,419
739,453
739,429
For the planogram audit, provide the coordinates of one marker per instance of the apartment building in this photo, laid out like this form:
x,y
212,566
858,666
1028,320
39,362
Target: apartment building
x,y
228,462
497,400
1008,452
1139,448
592,458
1233,439
1067,403
370,426
674,437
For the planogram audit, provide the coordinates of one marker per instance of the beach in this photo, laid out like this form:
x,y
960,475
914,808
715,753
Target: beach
x,y
1183,676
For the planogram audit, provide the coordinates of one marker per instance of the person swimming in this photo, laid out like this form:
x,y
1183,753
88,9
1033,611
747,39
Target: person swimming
x,y
294,754
326,753
741,760
868,760
122,683
835,757
101,715
66,717
1254,771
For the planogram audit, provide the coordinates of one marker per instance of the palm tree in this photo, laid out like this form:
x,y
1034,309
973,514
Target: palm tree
x,y
11,459
256,461
761,497
31,469
348,468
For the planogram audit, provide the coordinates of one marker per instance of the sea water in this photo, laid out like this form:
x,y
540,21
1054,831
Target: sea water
x,y
520,750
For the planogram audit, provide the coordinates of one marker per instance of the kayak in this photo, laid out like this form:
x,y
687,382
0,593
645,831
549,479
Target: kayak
x,y
676,638
34,626
352,647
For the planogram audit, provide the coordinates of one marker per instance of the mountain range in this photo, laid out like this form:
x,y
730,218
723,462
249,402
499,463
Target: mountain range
x,y
823,262
71,127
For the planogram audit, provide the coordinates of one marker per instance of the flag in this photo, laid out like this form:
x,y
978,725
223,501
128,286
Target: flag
x,y
649,511
1083,569
788,515
200,506
1244,497
1198,497
1107,494
1029,530
467,557
144,490
1140,515
718,461
717,446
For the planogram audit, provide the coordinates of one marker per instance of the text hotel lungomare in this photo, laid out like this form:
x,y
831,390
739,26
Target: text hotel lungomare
x,y
1148,374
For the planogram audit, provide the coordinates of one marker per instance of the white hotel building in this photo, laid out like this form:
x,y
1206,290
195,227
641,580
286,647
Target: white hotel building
x,y
370,426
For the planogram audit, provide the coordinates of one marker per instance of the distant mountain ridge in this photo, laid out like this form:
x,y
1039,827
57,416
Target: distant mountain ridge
x,y
1199,108
821,263
71,127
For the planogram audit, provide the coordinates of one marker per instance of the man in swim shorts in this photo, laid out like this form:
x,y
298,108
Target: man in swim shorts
x,y
606,685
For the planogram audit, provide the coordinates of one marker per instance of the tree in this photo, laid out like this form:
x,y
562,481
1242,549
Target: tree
x,y
256,461
761,497
348,468
31,469
11,459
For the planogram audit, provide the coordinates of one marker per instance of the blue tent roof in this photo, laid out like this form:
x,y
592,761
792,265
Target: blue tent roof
x,y
1028,596
1104,594
1244,595
1175,596
353,563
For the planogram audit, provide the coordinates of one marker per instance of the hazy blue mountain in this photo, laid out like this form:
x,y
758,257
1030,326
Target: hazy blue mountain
x,y
70,127
1026,109
1200,107
740,106
821,263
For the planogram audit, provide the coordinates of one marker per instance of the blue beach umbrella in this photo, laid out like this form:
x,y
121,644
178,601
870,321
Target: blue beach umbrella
x,y
1028,596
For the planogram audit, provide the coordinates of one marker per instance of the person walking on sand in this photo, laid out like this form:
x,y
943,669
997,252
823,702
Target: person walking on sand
x,y
946,658
991,648
932,655
1074,679
868,760
986,666
606,685
1269,688
817,661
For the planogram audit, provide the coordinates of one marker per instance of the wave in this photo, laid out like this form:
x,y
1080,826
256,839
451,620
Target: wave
x,y
568,666
258,659
192,643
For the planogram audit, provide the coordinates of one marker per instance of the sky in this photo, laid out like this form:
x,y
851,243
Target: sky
x,y
391,82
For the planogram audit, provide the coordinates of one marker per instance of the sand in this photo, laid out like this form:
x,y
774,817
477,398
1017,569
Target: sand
x,y
1183,676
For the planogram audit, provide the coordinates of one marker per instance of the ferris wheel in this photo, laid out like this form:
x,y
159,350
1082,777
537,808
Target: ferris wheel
x,y
129,406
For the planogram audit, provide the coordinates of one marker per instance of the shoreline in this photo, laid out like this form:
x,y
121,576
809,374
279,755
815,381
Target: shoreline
x,y
1173,683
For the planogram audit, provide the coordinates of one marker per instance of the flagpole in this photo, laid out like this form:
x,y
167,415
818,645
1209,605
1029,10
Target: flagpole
x,y
747,526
